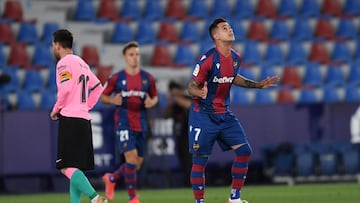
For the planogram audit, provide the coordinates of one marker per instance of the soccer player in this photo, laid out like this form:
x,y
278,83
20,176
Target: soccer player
x,y
74,80
210,118
132,90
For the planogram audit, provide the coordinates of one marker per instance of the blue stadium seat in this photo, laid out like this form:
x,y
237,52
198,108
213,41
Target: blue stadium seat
x,y
145,32
85,11
239,95
346,29
352,94
341,53
283,164
310,8
296,54
243,9
42,56
354,75
221,8
153,10
357,50
280,31
328,163
251,53
247,72
198,9
27,33
131,9
302,30
266,71
308,96
331,95
48,29
238,29
263,96
351,161
2,56
184,56
33,81
12,71
25,101
122,33
274,55
335,76
305,164
352,7
205,45
312,75
190,32
48,99
287,8
51,80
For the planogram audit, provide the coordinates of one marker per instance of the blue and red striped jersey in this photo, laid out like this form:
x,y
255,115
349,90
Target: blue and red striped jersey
x,y
219,72
133,88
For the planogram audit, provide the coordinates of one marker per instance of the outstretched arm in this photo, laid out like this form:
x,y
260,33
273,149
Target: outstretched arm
x,y
247,83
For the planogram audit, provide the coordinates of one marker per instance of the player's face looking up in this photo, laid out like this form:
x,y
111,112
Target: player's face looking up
x,y
132,57
224,32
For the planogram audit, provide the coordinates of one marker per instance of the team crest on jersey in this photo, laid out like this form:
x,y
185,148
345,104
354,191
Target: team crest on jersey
x,y
196,70
65,76
217,65
144,82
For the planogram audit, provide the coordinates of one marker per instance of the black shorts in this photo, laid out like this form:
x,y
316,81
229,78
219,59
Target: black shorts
x,y
75,145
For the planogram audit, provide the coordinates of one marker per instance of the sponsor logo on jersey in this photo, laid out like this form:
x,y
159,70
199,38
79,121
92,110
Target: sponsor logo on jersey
x,y
196,70
223,79
65,76
133,93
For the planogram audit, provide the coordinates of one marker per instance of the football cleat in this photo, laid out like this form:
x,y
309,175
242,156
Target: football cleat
x,y
135,200
237,201
109,186
102,200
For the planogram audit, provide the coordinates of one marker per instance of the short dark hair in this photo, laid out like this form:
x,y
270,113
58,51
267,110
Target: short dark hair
x,y
64,38
214,25
174,85
130,45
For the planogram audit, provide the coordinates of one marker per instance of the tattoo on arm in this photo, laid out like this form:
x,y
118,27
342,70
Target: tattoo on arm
x,y
249,83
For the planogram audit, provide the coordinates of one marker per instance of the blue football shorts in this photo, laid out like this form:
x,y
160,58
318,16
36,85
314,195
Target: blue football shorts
x,y
128,140
205,129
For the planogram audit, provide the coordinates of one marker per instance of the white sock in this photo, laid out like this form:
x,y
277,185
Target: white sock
x,y
95,199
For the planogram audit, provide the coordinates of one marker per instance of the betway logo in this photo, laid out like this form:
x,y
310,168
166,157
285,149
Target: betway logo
x,y
223,79
133,93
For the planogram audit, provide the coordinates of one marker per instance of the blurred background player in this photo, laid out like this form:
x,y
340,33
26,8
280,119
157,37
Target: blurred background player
x,y
132,90
74,80
210,118
178,110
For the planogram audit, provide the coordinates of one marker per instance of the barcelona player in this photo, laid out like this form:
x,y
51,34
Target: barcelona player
x,y
210,118
74,80
132,90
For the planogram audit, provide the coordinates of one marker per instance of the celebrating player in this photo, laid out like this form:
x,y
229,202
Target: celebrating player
x,y
74,80
134,91
210,118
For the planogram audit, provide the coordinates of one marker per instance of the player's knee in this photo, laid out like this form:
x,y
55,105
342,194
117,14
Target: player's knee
x,y
243,150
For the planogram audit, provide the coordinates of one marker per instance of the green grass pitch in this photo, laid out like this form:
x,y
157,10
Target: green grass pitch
x,y
309,193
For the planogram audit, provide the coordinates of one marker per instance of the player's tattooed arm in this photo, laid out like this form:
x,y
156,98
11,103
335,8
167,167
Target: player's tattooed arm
x,y
244,82
247,83
197,90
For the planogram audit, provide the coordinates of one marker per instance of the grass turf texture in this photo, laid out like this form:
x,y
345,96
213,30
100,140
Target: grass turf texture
x,y
314,193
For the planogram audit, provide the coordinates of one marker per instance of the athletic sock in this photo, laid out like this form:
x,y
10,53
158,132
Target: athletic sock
x,y
95,199
116,175
197,178
75,194
80,182
130,179
239,170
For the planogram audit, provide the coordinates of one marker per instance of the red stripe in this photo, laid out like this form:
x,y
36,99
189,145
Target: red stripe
x,y
131,191
242,159
237,183
197,180
197,168
239,170
130,180
199,194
